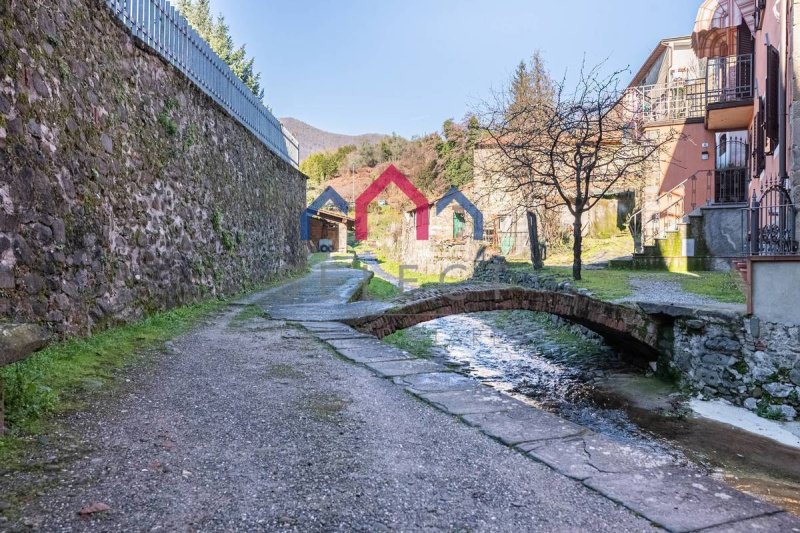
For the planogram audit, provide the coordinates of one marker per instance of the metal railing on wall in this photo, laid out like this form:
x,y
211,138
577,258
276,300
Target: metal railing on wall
x,y
769,224
160,26
677,100
654,220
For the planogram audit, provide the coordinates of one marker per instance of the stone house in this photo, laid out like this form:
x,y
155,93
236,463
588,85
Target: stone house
x,y
452,245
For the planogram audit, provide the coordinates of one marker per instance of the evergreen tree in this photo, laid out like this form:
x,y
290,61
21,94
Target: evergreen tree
x,y
531,90
455,151
217,33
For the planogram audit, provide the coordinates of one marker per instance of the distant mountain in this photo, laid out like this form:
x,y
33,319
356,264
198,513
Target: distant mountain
x,y
312,139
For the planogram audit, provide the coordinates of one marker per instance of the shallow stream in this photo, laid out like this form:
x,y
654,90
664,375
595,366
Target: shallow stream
x,y
562,369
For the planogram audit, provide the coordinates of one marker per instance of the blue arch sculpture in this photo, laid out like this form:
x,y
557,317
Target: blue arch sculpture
x,y
477,217
328,195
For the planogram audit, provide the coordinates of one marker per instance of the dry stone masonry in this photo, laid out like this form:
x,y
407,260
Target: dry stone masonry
x,y
124,189
746,361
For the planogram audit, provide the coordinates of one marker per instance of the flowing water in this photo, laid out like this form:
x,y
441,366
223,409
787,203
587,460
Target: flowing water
x,y
562,369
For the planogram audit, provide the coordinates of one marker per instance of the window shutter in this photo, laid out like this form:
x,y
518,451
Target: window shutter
x,y
745,46
759,157
745,43
773,76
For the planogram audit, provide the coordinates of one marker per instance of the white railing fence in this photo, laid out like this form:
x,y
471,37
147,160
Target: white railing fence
x,y
160,26
677,100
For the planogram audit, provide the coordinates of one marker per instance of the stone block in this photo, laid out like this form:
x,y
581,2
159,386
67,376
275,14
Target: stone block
x,y
405,368
723,344
778,390
367,354
438,382
523,425
718,359
473,401
774,522
678,499
17,341
587,455
7,280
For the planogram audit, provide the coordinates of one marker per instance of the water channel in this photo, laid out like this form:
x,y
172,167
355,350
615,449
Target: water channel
x,y
569,371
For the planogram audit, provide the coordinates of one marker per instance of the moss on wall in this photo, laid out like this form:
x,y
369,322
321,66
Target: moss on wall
x,y
116,167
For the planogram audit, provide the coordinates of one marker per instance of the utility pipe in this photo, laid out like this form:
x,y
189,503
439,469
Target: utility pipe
x,y
782,141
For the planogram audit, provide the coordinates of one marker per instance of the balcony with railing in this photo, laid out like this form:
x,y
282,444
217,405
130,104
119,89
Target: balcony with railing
x,y
723,96
667,102
729,92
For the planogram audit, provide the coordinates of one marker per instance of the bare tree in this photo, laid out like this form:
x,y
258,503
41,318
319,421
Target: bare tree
x,y
569,150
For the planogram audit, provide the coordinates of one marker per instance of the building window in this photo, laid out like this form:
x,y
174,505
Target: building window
x,y
459,224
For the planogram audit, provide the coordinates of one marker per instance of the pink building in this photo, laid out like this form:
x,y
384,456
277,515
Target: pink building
x,y
725,195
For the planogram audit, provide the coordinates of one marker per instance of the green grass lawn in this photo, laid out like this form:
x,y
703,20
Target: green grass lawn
x,y
615,284
416,341
412,276
379,289
337,259
594,250
605,284
720,286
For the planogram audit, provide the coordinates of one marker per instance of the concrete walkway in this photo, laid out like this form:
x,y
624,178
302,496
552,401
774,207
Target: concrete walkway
x,y
259,424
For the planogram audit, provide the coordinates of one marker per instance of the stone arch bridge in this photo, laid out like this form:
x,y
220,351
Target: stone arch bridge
x,y
627,327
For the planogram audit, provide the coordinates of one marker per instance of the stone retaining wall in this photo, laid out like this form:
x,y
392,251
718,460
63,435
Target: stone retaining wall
x,y
750,363
124,188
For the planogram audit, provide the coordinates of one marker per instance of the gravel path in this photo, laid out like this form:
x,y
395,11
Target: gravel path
x,y
652,290
256,425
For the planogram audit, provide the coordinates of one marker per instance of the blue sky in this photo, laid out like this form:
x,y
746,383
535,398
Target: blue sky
x,y
362,66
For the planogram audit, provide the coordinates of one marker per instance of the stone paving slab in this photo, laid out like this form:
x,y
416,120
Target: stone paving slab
x,y
775,522
325,326
679,499
325,312
362,342
438,382
391,369
465,402
369,354
587,455
523,425
341,335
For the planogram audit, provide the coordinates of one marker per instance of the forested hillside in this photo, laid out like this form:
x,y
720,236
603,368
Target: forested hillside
x,y
313,139
433,162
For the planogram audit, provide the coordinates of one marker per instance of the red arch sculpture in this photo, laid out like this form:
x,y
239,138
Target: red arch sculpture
x,y
392,175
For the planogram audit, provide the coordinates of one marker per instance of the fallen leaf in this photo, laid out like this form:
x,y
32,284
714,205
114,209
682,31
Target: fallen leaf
x,y
96,507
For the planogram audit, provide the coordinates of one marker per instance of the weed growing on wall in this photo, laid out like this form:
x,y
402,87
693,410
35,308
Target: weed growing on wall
x,y
165,117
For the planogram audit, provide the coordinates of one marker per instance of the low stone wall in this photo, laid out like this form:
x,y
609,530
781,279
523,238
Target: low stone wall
x,y
125,189
496,270
748,362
